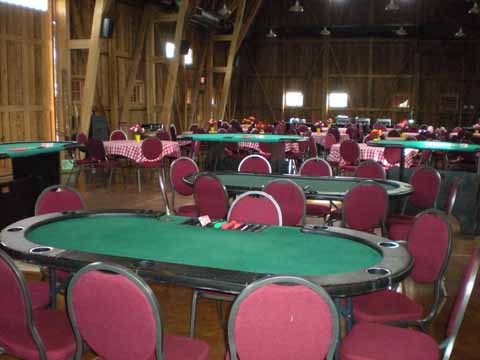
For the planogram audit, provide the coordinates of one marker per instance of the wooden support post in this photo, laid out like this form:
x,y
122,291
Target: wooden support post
x,y
248,22
132,75
196,81
325,78
92,67
230,61
150,72
165,116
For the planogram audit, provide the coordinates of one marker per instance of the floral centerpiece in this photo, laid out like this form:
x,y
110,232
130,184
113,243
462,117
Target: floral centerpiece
x,y
212,125
318,126
137,131
248,122
376,134
260,126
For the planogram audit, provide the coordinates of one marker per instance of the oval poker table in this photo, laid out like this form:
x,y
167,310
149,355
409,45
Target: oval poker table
x,y
169,249
315,188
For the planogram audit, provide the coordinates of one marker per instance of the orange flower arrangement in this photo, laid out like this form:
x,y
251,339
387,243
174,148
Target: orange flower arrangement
x,y
376,133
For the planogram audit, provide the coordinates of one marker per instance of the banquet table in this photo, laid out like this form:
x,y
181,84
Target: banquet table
x,y
370,153
133,150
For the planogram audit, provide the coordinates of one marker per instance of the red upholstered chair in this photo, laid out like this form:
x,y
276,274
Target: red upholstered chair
x,y
80,164
370,169
173,132
426,182
330,140
393,133
115,312
373,341
335,132
392,155
283,318
99,160
291,199
57,198
211,197
118,135
364,207
151,151
350,153
255,164
316,167
256,207
429,243
25,332
180,168
163,135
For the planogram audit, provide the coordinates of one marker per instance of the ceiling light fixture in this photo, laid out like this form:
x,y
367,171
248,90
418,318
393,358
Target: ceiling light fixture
x,y
325,32
225,11
475,9
297,7
460,34
271,34
392,6
401,31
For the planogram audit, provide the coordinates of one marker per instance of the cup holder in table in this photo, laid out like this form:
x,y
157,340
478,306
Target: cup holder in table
x,y
389,244
379,271
145,264
40,249
16,229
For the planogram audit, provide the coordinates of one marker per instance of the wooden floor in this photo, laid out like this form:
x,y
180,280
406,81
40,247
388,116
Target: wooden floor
x,y
175,301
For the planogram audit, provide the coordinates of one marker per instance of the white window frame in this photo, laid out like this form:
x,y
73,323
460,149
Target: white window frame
x,y
169,50
293,99
39,5
339,100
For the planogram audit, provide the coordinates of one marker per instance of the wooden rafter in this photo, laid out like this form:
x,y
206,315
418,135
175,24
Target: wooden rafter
x,y
196,80
248,22
132,75
174,64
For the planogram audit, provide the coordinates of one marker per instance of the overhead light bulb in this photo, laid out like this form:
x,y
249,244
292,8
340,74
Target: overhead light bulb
x,y
297,7
401,31
271,34
474,10
460,34
325,32
392,6
224,11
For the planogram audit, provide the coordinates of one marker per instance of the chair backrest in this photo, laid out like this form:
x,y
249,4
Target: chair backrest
x,y
193,127
393,133
16,314
335,132
352,133
461,302
392,154
256,207
452,196
255,164
281,128
82,138
181,167
151,148
99,303
330,140
173,132
57,198
211,197
429,242
270,129
312,147
350,151
315,167
163,135
291,198
365,207
426,182
283,318
96,150
370,169
118,135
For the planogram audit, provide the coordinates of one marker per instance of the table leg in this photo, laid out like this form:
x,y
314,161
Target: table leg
x,y
161,181
277,157
52,279
402,164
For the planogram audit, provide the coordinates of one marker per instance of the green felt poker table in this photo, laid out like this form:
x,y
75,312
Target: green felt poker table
x,y
163,248
35,164
315,188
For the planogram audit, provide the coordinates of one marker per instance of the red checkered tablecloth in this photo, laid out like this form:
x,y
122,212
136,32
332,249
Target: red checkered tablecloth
x,y
133,150
320,137
371,153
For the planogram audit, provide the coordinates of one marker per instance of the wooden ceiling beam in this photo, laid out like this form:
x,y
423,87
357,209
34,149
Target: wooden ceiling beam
x,y
248,22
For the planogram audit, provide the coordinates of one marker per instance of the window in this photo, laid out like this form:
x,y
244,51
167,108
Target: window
x,y
138,94
41,5
188,59
169,50
337,100
77,88
293,99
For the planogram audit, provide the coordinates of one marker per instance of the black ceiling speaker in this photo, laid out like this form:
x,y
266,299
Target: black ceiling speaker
x,y
106,31
184,47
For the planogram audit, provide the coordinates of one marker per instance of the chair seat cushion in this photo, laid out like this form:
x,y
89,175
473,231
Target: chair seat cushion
x,y
187,210
379,342
54,329
385,306
317,209
39,293
399,231
184,348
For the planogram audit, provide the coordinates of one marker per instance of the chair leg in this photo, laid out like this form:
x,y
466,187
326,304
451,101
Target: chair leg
x,y
139,181
163,191
52,279
220,314
193,314
110,178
